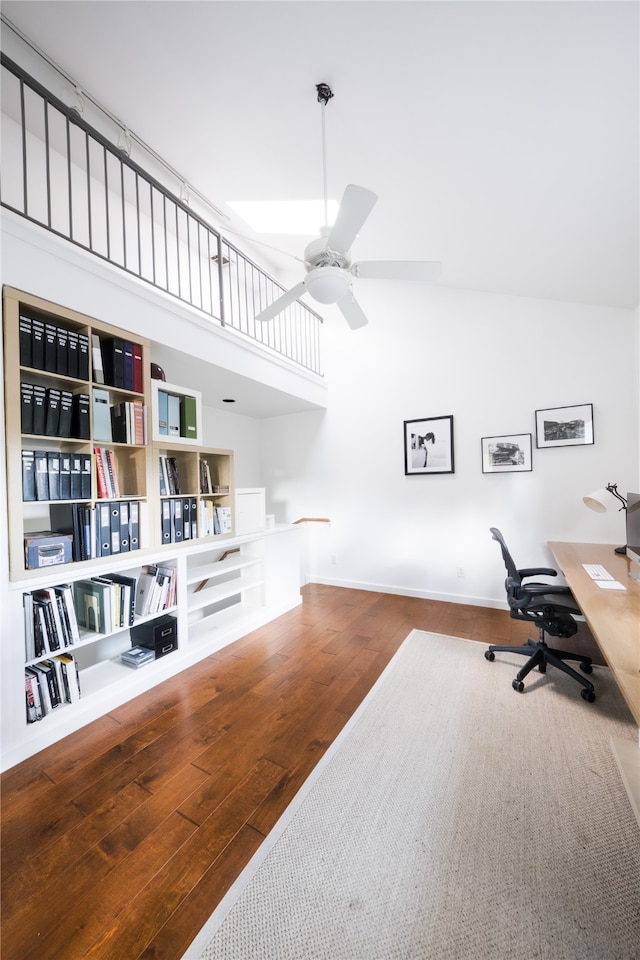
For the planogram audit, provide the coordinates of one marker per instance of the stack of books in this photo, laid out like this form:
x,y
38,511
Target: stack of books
x,y
137,657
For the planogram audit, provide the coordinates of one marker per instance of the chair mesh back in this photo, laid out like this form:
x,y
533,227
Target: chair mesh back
x,y
512,570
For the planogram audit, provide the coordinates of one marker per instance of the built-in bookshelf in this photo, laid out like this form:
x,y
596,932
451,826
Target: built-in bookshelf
x,y
93,577
81,386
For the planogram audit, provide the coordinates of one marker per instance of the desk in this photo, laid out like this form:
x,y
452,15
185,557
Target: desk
x,y
613,617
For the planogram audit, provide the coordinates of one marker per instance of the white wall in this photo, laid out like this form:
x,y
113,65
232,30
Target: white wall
x,y
491,361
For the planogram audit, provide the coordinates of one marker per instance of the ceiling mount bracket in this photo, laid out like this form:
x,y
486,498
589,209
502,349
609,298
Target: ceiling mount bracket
x,y
324,93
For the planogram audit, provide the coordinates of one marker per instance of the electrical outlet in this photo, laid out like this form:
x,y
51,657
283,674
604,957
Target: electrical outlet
x,y
333,558
461,571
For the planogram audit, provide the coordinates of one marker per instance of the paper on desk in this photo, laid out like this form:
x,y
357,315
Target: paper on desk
x,y
609,585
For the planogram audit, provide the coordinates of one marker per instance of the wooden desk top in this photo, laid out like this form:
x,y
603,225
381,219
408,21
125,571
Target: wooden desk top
x,y
613,615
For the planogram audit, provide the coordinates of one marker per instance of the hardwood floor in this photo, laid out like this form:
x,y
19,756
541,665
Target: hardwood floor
x,y
119,841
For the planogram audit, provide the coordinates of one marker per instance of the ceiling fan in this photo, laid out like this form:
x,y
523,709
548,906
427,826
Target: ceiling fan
x,y
327,259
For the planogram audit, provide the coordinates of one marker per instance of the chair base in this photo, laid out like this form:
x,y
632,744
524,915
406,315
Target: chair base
x,y
539,656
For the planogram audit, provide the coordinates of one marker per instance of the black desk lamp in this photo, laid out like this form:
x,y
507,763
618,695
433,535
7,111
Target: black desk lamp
x,y
600,500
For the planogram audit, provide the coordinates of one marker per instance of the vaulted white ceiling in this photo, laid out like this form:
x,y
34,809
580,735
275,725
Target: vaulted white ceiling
x,y
502,138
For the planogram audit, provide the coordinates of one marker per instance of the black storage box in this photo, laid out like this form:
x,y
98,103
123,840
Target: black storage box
x,y
160,635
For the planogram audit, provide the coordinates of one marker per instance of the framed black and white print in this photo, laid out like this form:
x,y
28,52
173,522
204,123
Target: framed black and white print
x,y
565,426
508,454
428,445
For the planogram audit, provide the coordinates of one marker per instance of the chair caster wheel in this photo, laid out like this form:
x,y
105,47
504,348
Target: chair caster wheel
x,y
586,667
518,685
489,655
587,695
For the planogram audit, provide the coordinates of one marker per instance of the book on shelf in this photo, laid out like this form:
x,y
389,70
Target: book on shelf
x,y
126,588
37,344
156,589
70,676
106,473
65,475
33,701
163,413
41,475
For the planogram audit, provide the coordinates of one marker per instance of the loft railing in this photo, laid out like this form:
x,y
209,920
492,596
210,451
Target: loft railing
x,y
59,172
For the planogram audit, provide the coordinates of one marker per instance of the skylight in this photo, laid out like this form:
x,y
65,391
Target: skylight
x,y
304,217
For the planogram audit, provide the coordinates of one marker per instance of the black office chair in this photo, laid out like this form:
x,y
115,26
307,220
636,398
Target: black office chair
x,y
551,608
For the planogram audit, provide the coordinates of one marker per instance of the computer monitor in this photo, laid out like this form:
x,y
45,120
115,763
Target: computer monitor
x,y
633,533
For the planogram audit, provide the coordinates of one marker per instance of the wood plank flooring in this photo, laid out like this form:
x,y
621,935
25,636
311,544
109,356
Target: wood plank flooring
x,y
119,841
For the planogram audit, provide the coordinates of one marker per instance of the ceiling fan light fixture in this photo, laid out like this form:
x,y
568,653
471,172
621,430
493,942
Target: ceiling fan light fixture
x,y
327,284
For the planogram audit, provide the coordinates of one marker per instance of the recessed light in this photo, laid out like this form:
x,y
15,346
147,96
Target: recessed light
x,y
303,217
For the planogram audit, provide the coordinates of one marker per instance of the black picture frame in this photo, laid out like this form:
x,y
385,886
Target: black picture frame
x,y
511,453
428,445
570,426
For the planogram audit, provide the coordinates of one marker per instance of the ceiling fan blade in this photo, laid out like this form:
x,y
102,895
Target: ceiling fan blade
x,y
281,303
352,311
356,205
423,270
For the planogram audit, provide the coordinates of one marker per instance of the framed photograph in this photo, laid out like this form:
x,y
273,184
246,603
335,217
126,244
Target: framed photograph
x,y
509,454
428,445
565,426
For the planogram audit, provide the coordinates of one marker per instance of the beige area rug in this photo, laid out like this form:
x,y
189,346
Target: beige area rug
x,y
453,818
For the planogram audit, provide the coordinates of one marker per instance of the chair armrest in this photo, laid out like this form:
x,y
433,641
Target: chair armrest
x,y
537,572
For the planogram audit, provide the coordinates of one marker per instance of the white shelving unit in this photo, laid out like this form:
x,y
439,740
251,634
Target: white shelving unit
x,y
246,581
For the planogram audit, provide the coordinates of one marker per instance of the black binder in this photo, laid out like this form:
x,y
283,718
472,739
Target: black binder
x,y
66,410
127,364
25,336
83,356
76,476
134,530
178,523
39,409
28,475
115,528
62,354
124,527
53,469
85,476
194,518
52,418
50,347
72,353
37,344
26,407
165,520
103,525
80,426
186,518
42,475
65,475
113,361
